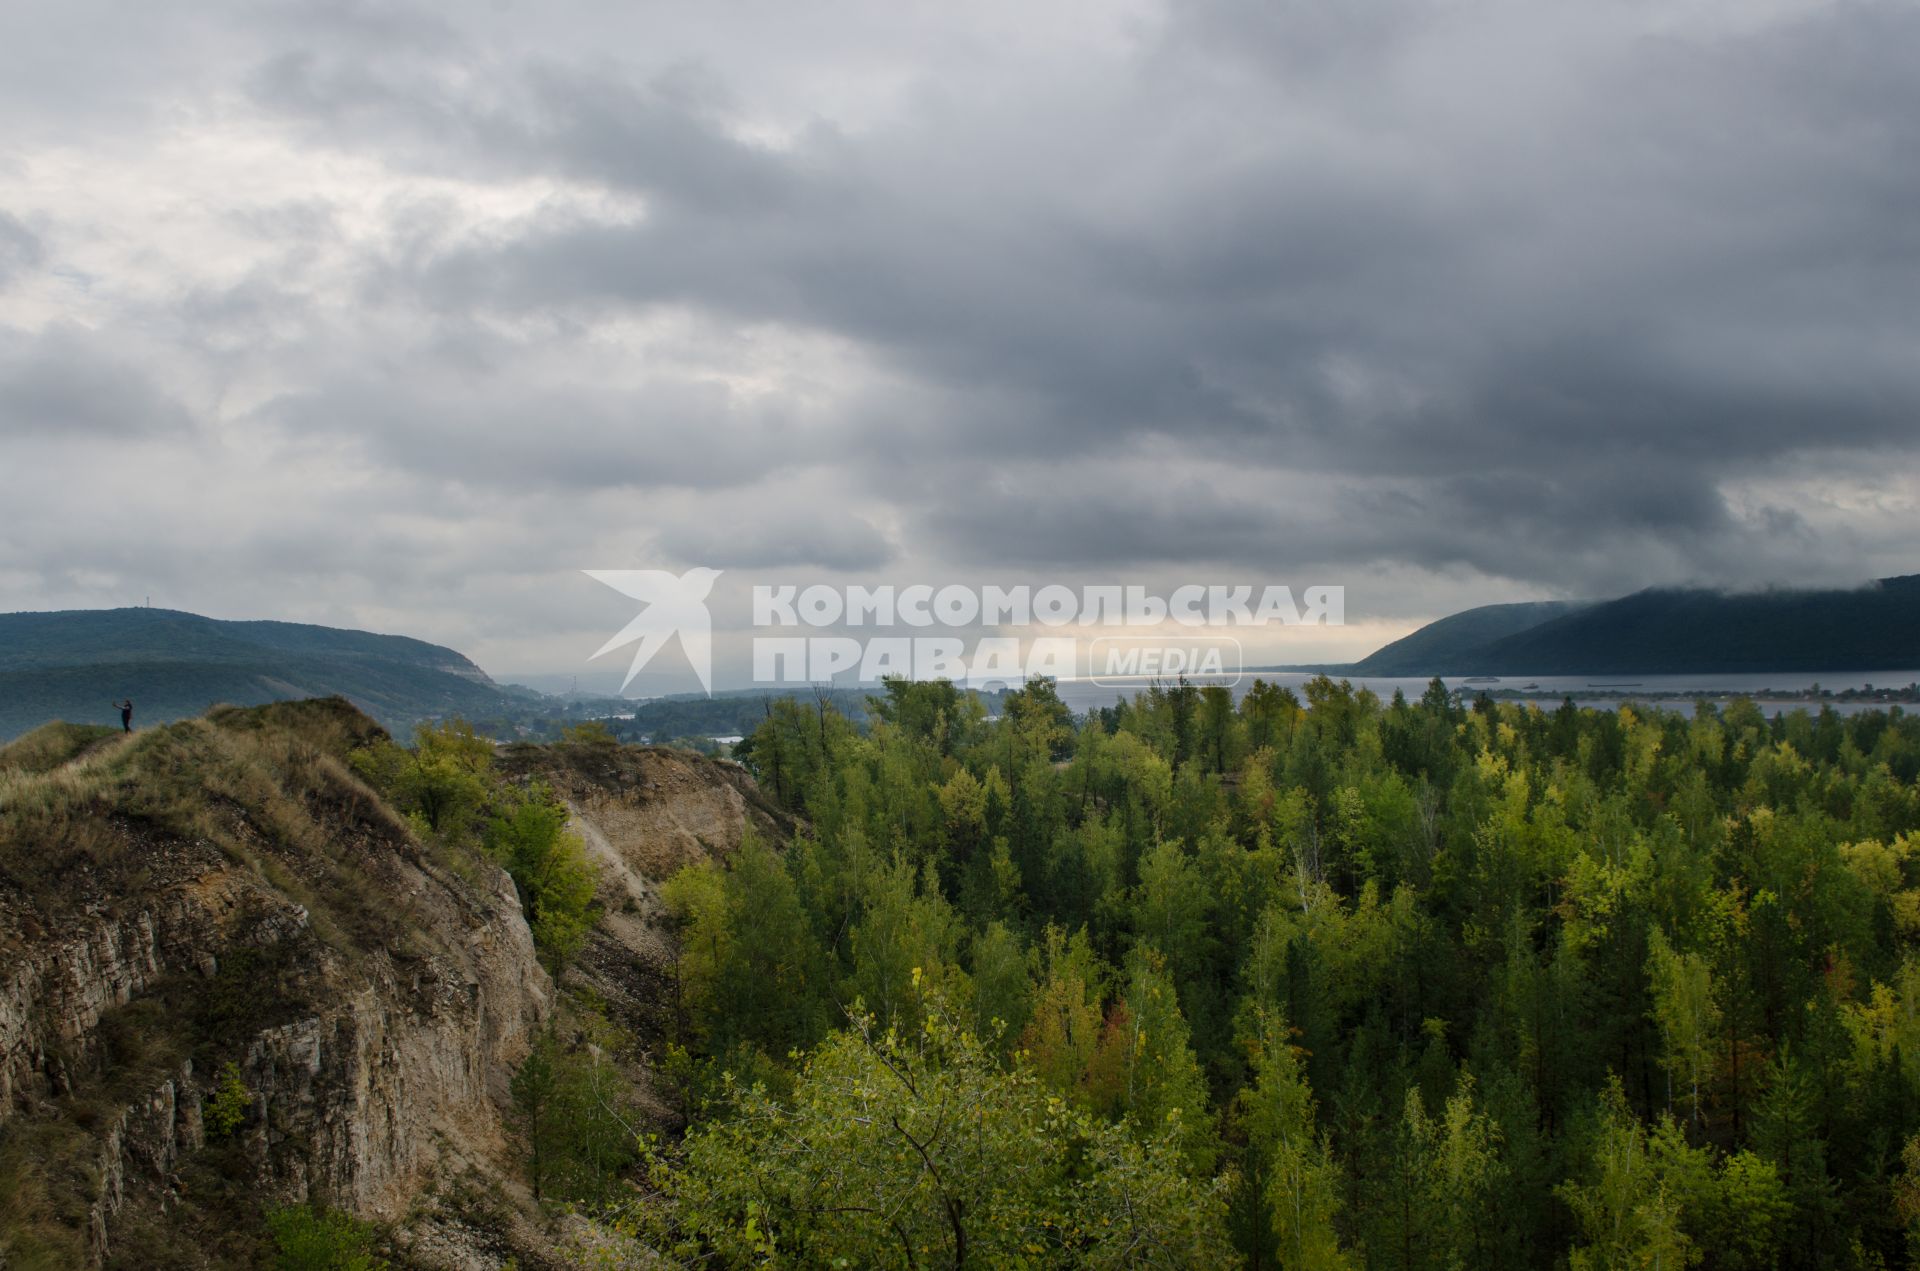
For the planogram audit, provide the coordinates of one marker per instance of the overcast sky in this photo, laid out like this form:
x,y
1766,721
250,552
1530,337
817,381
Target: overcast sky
x,y
398,316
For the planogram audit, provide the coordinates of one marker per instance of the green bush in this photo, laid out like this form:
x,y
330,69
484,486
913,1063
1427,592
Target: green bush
x,y
575,1110
549,865
228,1105
443,780
925,1150
592,732
310,1239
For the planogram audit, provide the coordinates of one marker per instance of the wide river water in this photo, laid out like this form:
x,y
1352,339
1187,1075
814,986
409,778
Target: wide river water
x,y
1773,691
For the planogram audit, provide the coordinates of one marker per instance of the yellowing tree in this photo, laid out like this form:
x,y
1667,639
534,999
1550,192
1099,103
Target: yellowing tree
x,y
919,1150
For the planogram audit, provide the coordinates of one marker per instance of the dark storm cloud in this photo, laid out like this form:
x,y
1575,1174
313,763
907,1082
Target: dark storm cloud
x,y
1575,297
1461,520
1695,264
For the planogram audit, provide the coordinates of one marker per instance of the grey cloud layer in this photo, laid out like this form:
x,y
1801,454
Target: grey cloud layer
x,y
1569,299
1356,247
19,246
62,383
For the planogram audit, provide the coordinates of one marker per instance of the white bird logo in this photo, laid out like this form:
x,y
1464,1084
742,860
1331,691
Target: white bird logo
x,y
675,604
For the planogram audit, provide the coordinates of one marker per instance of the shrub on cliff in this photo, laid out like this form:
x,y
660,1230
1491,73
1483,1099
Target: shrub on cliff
x,y
549,866
310,1239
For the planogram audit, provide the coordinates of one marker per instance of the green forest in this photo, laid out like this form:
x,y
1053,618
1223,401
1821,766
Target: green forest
x,y
1307,984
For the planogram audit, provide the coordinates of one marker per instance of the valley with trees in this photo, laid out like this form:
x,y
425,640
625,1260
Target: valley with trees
x,y
1298,981
1183,634
1306,984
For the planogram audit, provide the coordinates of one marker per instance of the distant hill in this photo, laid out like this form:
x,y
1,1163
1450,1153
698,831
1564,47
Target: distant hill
x,y
1460,635
1680,631
73,664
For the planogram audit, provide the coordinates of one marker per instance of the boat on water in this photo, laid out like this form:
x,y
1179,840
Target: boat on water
x,y
1481,679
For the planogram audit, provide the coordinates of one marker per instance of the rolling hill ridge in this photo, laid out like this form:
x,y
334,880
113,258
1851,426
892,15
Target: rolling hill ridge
x,y
74,664
1670,631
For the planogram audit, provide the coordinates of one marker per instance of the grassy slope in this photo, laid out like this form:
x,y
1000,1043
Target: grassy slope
x,y
92,824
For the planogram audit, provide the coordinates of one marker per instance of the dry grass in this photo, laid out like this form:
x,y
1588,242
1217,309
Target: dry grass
x,y
89,818
265,789
44,1172
79,811
52,745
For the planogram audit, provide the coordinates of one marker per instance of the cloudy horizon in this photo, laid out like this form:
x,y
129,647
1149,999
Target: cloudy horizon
x,y
398,316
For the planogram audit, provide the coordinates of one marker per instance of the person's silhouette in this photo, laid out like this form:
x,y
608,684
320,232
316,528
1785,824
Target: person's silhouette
x,y
126,715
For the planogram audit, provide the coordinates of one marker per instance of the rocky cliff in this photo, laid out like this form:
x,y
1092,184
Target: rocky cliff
x,y
231,978
644,812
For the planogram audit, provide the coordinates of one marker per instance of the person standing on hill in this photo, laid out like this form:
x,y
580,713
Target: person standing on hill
x,y
126,715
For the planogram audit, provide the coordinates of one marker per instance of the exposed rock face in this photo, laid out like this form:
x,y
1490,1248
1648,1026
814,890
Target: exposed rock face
x,y
371,999
656,807
406,1074
146,1141
57,987
643,813
220,901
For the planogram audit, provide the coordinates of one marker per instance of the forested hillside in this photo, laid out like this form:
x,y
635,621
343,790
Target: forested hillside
x,y
1277,983
1366,984
1668,631
1440,645
1871,628
74,665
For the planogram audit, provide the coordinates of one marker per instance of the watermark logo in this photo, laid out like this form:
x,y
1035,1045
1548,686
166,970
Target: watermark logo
x,y
1125,633
1175,635
1120,661
676,604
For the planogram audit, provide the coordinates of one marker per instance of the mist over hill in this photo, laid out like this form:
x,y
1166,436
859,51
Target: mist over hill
x,y
1672,631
